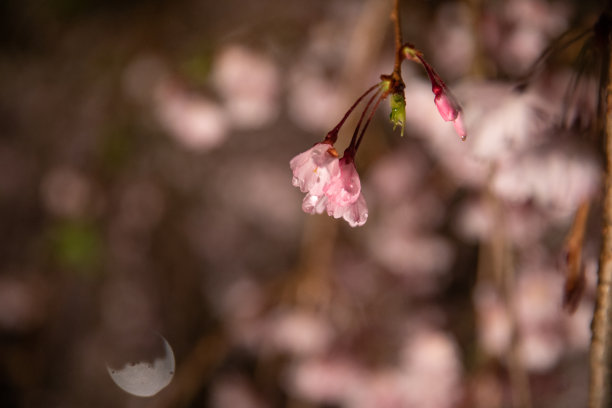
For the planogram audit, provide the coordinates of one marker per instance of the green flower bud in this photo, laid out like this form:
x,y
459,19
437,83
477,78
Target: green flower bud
x,y
398,110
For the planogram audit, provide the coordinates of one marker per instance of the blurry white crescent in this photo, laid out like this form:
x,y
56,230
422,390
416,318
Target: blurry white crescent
x,y
145,379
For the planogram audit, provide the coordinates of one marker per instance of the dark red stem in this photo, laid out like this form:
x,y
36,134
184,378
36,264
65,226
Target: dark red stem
x,y
332,135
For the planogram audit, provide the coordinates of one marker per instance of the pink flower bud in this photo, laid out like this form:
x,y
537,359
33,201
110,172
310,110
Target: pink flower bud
x,y
459,128
446,108
445,102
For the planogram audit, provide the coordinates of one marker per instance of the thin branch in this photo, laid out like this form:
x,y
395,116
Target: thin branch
x,y
504,268
397,67
600,390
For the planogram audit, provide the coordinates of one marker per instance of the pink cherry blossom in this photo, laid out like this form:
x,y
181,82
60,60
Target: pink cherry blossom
x,y
313,169
343,189
331,184
344,198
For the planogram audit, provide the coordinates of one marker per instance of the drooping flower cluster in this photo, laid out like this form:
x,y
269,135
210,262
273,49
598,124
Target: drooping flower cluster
x,y
331,184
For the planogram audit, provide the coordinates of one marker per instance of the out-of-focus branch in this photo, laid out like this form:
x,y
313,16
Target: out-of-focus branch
x,y
503,266
600,391
574,277
196,370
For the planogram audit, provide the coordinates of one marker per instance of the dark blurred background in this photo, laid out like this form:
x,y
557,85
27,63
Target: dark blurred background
x,y
145,189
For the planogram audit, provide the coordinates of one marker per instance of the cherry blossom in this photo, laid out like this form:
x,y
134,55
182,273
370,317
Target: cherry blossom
x,y
344,189
313,169
343,193
330,184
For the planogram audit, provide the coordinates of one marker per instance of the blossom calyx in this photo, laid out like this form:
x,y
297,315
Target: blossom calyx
x,y
397,101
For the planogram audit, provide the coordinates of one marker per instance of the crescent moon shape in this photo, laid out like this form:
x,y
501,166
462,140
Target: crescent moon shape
x,y
144,379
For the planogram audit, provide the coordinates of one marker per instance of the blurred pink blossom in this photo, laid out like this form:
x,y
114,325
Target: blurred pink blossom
x,y
523,224
249,83
558,177
234,392
452,40
502,120
494,325
313,102
298,332
544,330
540,350
326,380
433,370
396,175
516,32
194,121
423,257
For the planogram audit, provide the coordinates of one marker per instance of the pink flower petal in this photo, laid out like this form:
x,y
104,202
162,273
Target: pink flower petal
x,y
313,168
313,204
357,213
343,189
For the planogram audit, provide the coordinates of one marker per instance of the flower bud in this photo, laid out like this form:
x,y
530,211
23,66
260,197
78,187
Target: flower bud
x,y
398,110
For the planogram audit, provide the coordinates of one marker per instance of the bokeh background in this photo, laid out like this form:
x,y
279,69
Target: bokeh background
x,y
145,188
